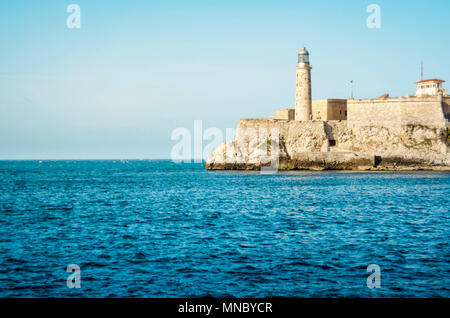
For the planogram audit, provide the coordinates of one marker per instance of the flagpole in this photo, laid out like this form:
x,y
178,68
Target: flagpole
x,y
351,82
421,70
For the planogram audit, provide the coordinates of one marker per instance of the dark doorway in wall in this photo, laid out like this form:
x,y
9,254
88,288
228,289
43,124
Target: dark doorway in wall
x,y
377,160
332,142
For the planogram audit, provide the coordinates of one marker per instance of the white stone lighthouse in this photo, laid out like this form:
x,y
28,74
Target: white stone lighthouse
x,y
303,102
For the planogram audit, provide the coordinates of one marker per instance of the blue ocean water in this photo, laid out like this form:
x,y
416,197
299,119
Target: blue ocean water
x,y
162,229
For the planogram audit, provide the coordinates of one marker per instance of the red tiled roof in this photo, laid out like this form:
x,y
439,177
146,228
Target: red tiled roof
x,y
384,96
431,80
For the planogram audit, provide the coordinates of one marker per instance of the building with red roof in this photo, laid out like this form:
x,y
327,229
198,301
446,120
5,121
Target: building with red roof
x,y
430,87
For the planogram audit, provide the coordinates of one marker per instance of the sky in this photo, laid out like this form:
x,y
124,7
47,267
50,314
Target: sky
x,y
136,70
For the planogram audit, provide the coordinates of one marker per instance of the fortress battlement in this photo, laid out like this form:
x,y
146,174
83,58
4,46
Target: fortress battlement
x,y
397,99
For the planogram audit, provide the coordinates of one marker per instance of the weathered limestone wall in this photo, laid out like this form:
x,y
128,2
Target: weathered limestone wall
x,y
396,112
295,136
320,109
286,114
414,140
307,145
447,107
337,109
329,109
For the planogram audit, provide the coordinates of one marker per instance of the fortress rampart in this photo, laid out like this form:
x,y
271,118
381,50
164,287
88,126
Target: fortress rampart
x,y
397,111
329,109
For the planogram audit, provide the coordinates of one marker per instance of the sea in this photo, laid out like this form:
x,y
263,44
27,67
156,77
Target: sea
x,y
156,228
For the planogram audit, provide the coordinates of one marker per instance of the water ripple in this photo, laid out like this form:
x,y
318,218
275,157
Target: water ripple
x,y
160,229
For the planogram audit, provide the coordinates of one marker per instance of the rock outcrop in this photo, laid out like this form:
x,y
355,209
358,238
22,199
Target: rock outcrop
x,y
333,145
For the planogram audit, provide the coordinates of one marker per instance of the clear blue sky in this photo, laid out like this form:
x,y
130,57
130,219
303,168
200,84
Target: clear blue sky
x,y
117,87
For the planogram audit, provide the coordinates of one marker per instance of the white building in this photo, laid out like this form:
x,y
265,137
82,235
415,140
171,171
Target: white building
x,y
430,87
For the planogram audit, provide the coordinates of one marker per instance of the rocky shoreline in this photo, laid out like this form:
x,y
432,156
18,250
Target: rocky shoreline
x,y
333,145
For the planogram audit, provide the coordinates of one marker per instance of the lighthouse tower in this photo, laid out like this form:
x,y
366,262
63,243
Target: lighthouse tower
x,y
303,102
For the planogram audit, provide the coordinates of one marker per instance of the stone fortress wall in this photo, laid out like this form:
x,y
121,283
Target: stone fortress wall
x,y
285,114
427,111
329,109
322,109
446,107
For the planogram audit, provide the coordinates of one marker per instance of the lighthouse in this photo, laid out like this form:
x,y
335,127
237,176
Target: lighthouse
x,y
303,102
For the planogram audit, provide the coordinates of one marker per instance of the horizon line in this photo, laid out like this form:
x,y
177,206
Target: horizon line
x,y
104,159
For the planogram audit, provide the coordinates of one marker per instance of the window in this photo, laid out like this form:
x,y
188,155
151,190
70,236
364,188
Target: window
x,y
332,143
